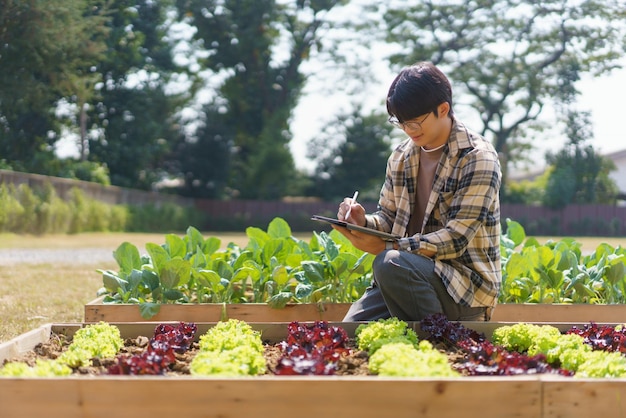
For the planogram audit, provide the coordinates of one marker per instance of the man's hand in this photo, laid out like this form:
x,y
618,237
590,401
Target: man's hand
x,y
364,242
357,212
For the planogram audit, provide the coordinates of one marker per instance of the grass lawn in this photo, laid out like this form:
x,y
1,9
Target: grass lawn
x,y
35,294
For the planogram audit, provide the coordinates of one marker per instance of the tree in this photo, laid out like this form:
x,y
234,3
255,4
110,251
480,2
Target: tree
x,y
351,154
205,160
135,116
256,47
506,56
579,175
46,49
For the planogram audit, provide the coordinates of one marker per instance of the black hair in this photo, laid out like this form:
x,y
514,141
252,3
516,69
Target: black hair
x,y
417,90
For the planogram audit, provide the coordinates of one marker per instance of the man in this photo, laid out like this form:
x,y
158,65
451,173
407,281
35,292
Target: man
x,y
441,194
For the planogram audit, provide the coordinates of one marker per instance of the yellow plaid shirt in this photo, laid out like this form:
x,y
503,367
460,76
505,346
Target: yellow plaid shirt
x,y
462,220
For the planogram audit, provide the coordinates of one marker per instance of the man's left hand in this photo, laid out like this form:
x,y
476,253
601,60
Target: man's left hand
x,y
364,242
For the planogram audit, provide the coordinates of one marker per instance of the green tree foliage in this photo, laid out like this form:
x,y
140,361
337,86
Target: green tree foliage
x,y
46,50
351,154
205,161
256,47
505,57
579,175
527,192
135,115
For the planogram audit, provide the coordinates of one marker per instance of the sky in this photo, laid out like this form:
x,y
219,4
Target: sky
x,y
600,96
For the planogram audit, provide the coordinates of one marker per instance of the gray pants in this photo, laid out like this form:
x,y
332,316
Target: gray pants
x,y
406,286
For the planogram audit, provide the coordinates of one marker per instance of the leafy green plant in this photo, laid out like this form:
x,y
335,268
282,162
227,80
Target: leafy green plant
x,y
570,350
42,368
277,268
373,335
101,340
558,272
402,359
230,348
274,268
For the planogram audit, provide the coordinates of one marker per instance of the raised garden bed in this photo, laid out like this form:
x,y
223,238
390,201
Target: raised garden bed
x,y
575,312
96,311
279,396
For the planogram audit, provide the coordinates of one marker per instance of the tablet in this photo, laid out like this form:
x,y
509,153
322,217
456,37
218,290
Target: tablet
x,y
384,235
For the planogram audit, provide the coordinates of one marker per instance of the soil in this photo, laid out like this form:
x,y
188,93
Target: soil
x,y
349,365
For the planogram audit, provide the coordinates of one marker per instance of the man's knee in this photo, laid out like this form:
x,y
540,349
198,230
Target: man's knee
x,y
383,265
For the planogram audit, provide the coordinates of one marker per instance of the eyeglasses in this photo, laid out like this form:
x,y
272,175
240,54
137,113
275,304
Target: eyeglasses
x,y
408,125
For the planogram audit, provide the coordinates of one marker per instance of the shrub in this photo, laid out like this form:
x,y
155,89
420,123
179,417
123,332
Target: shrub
x,y
11,209
42,211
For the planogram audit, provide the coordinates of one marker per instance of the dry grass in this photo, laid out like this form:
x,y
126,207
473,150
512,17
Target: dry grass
x,y
32,295
97,240
35,294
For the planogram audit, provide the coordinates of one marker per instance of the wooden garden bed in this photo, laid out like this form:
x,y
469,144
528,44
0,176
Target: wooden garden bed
x,y
96,311
315,396
579,312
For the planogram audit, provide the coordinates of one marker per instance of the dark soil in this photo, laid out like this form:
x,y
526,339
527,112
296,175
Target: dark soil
x,y
353,364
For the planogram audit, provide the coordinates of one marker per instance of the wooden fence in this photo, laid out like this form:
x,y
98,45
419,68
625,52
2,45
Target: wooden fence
x,y
235,215
574,220
109,194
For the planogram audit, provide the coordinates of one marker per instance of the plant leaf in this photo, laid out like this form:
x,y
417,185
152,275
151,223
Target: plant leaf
x,y
175,272
279,228
303,290
112,282
127,257
149,309
211,245
243,273
208,278
193,239
279,300
515,231
257,236
175,246
158,256
173,294
280,275
150,279
314,271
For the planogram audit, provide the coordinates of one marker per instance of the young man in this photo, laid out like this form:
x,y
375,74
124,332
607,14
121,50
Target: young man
x,y
441,194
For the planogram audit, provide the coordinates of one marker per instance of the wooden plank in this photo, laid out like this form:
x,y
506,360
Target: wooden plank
x,y
265,396
96,311
24,342
571,398
551,313
130,313
42,397
302,312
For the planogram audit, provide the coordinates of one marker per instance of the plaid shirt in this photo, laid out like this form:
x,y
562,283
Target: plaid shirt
x,y
462,220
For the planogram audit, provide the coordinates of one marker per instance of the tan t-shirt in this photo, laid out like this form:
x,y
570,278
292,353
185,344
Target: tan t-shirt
x,y
425,177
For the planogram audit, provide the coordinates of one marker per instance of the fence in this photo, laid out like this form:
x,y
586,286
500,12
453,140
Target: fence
x,y
236,215
109,194
574,220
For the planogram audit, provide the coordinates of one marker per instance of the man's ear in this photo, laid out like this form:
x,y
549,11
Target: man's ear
x,y
443,109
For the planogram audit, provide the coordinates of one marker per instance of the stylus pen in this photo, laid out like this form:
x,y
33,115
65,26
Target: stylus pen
x,y
356,194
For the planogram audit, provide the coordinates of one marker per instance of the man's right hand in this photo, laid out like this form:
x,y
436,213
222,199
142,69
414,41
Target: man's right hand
x,y
357,212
